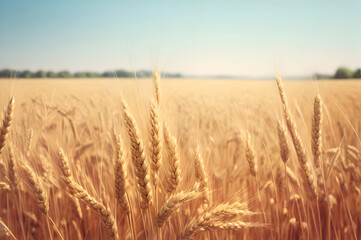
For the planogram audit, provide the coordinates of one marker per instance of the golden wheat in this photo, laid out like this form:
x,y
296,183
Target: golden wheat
x,y
173,171
307,174
40,195
7,122
155,143
251,157
138,158
13,176
173,204
120,171
230,186
215,218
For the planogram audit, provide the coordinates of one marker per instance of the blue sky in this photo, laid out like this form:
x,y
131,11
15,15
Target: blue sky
x,y
247,38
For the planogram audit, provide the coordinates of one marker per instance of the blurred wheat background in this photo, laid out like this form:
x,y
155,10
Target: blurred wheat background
x,y
169,159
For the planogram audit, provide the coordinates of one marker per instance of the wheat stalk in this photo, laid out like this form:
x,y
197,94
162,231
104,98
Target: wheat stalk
x,y
5,231
76,229
307,175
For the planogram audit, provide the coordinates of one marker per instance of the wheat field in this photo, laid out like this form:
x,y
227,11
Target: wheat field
x,y
180,159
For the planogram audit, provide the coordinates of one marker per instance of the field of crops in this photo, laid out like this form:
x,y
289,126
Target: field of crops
x,y
180,159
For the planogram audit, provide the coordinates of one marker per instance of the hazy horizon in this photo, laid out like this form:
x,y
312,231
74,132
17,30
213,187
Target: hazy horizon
x,y
251,39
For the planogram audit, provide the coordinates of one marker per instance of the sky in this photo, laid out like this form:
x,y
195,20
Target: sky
x,y
195,38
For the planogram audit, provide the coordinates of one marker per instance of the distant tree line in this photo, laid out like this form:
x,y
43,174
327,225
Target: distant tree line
x,y
8,73
344,72
341,73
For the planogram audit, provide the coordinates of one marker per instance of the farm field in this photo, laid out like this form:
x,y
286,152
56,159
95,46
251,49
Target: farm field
x,y
180,158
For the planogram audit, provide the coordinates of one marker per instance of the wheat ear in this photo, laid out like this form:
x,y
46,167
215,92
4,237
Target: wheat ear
x,y
200,173
5,186
352,155
156,80
45,167
316,142
2,168
284,150
64,166
138,158
297,142
292,177
7,121
354,150
80,193
173,178
252,163
30,141
76,208
38,190
283,142
120,171
156,143
104,212
13,176
68,178
223,213
173,204
231,225
251,157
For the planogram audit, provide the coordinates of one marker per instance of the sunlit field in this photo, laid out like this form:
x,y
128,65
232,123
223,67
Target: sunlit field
x,y
180,159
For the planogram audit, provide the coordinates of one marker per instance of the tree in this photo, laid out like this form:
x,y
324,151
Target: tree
x,y
92,75
25,74
65,74
51,74
357,73
108,74
80,75
122,73
6,73
343,72
40,74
